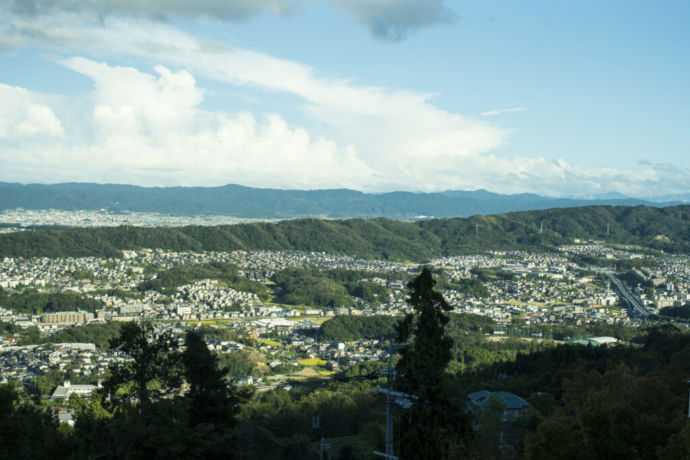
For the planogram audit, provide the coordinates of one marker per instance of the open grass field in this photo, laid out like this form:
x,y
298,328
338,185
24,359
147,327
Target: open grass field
x,y
312,362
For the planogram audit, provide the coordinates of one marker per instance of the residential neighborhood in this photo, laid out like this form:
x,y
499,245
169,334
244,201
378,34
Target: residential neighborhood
x,y
533,289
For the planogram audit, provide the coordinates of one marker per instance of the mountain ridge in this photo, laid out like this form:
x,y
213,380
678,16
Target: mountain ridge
x,y
248,202
660,229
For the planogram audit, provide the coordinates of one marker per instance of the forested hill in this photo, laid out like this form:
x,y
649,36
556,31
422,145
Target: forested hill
x,y
247,202
666,229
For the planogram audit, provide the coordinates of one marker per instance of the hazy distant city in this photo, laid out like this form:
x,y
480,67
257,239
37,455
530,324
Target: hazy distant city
x,y
26,219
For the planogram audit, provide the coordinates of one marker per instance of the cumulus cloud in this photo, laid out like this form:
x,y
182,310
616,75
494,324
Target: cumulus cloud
x,y
23,116
392,129
149,129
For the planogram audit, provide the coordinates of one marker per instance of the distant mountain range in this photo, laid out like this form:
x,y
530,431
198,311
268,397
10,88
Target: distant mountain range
x,y
247,202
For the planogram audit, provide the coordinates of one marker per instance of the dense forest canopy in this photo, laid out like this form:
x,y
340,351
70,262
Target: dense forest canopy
x,y
666,229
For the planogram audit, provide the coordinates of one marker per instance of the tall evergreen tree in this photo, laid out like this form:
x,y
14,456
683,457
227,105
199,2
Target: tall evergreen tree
x,y
427,349
431,428
212,403
213,400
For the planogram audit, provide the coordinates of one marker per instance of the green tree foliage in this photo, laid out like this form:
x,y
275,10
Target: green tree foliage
x,y
470,286
682,313
82,274
424,360
168,281
198,424
622,265
30,336
8,329
656,228
213,405
368,291
154,368
278,424
97,333
345,328
309,287
27,432
467,331
430,429
241,363
610,415
33,302
678,445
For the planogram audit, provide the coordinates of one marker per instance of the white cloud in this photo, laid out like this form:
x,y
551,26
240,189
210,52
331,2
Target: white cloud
x,y
23,116
493,113
149,129
392,129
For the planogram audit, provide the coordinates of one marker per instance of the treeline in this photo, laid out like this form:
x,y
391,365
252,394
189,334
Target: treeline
x,y
622,265
309,287
346,328
491,274
598,402
666,229
328,288
470,286
167,282
99,334
675,313
34,303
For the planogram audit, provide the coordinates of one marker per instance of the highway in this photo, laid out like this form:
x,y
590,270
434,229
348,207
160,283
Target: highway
x,y
634,303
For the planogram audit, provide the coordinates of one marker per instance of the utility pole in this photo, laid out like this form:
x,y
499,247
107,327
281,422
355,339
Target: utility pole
x,y
607,230
389,403
323,448
476,229
541,227
389,409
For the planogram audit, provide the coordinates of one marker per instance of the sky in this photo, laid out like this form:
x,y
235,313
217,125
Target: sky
x,y
561,98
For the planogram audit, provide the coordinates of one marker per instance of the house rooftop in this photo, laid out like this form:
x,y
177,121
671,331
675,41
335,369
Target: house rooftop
x,y
511,401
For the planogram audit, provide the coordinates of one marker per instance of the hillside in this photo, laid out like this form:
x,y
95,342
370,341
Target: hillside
x,y
247,202
665,229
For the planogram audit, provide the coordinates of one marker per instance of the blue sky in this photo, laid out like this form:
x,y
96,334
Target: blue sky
x,y
557,98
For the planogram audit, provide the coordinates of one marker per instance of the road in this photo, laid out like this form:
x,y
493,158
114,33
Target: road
x,y
633,302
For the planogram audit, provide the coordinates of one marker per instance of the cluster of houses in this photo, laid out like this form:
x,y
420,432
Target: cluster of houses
x,y
24,363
